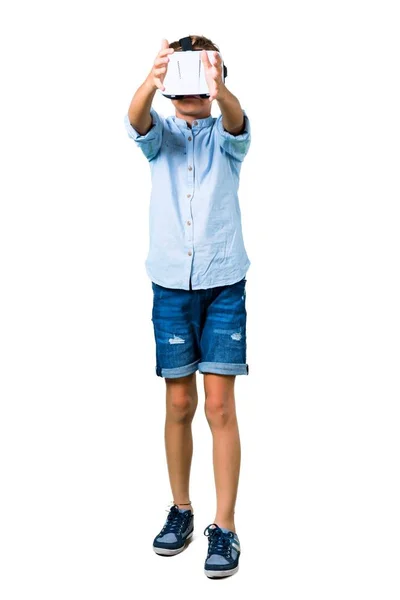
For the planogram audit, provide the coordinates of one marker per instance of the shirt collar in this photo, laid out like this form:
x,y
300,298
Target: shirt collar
x,y
200,123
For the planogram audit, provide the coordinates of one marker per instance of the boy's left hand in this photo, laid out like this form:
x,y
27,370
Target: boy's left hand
x,y
213,74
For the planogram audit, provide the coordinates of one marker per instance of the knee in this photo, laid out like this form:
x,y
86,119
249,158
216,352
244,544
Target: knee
x,y
181,405
219,410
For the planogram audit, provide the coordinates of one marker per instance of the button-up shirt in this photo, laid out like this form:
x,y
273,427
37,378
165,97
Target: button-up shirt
x,y
196,239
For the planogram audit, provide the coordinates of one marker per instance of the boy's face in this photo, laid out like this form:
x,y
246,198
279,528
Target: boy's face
x,y
192,106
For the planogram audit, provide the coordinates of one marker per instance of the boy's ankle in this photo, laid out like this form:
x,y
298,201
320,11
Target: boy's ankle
x,y
185,506
225,524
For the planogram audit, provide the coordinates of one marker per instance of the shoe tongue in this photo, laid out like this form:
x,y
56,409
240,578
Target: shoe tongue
x,y
182,510
225,530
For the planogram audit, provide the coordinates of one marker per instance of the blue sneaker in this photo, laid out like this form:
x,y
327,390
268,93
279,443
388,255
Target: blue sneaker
x,y
223,551
177,530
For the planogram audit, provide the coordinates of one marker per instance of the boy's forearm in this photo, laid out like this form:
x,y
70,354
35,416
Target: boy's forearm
x,y
139,109
232,112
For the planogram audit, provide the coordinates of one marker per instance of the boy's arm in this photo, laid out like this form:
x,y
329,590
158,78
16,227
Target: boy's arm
x,y
139,109
233,119
233,125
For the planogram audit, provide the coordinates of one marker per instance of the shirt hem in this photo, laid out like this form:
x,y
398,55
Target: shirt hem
x,y
213,285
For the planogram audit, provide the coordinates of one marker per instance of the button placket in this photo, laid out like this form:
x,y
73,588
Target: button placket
x,y
189,219
189,195
189,228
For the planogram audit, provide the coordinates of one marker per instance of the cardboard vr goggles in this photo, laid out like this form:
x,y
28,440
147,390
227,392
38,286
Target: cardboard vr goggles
x,y
185,73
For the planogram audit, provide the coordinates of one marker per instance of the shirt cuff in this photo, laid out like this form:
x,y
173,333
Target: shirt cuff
x,y
150,135
242,136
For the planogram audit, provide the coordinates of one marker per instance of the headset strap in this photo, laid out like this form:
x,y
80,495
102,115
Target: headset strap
x,y
186,43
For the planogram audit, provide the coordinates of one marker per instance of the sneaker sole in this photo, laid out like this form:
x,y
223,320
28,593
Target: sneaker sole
x,y
172,552
218,574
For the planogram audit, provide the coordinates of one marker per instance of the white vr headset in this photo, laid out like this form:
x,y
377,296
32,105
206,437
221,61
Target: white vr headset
x,y
185,73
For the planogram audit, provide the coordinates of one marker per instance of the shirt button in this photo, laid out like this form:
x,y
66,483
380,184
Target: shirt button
x,y
188,223
188,195
189,138
189,253
195,123
190,168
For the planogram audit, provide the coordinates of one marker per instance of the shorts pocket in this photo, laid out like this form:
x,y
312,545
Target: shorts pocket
x,y
157,290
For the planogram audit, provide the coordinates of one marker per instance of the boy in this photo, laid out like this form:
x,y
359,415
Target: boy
x,y
197,263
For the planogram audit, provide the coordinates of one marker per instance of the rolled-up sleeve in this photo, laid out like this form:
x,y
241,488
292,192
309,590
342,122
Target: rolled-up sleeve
x,y
150,143
235,145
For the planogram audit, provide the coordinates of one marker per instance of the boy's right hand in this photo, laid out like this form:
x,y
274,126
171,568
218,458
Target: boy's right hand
x,y
159,70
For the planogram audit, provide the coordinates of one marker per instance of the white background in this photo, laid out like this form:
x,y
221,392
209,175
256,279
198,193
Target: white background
x,y
83,473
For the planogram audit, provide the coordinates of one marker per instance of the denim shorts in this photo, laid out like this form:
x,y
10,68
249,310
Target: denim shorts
x,y
200,329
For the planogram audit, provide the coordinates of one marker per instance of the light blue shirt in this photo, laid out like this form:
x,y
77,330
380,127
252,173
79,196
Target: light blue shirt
x,y
196,236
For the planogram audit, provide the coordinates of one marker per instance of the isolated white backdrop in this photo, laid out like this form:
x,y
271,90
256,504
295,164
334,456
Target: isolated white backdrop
x,y
83,474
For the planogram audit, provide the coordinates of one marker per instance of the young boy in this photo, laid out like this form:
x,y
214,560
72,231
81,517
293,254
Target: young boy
x,y
197,263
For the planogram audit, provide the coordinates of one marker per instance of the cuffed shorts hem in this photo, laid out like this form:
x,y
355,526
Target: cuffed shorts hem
x,y
224,368
178,371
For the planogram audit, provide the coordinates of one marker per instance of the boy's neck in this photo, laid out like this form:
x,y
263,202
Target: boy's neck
x,y
190,118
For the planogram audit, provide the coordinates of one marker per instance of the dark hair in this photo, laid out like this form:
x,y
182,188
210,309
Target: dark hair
x,y
199,42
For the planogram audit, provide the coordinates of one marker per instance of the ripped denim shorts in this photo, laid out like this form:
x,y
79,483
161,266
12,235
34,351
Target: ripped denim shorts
x,y
201,330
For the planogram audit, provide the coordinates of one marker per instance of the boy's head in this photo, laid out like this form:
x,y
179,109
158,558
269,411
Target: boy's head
x,y
194,106
199,42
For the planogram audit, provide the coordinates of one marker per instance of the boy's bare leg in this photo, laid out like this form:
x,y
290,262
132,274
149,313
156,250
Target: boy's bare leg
x,y
221,416
181,404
